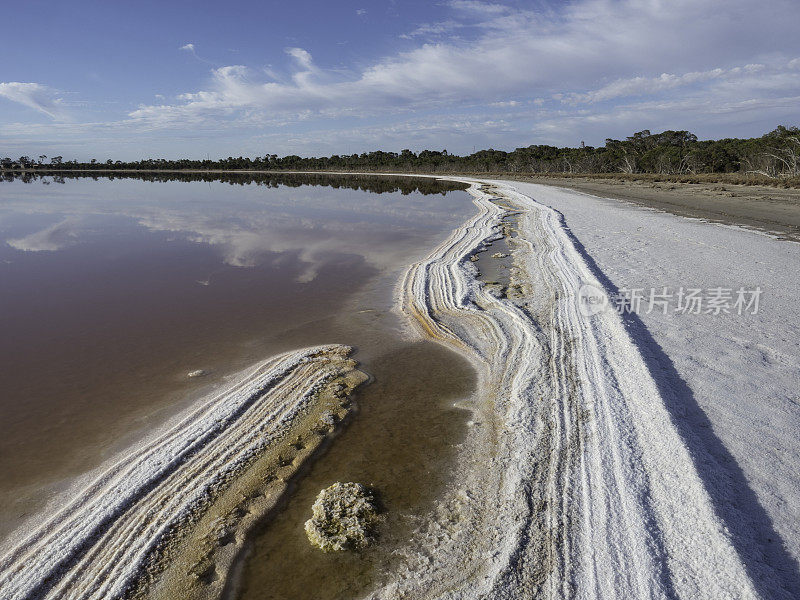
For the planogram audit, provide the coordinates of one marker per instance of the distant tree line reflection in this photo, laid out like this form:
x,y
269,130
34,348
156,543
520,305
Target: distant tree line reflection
x,y
377,184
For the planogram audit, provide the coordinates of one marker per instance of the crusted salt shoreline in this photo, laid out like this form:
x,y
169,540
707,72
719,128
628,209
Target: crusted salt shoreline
x,y
210,475
576,482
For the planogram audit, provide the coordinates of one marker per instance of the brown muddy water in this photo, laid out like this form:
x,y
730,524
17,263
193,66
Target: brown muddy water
x,y
112,291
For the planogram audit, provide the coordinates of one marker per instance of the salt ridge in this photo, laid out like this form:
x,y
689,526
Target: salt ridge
x,y
593,495
98,544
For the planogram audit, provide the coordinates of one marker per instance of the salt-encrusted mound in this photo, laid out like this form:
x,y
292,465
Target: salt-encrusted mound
x,y
99,545
344,516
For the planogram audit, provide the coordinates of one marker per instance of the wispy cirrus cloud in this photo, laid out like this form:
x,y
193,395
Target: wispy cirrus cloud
x,y
190,48
39,97
478,7
428,30
640,86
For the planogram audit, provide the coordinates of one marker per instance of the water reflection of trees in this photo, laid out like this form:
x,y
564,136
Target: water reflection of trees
x,y
377,184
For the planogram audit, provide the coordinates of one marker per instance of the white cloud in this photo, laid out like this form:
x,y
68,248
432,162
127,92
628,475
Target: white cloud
x,y
645,85
192,49
477,7
517,52
34,95
302,59
433,29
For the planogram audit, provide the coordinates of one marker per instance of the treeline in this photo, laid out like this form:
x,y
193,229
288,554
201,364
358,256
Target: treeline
x,y
368,183
773,155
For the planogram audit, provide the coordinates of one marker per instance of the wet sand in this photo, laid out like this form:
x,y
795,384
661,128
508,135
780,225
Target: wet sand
x,y
772,210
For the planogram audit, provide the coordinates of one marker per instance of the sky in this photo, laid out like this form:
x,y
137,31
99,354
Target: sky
x,y
177,78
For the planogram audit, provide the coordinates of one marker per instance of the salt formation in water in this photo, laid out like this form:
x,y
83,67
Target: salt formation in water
x,y
193,478
344,516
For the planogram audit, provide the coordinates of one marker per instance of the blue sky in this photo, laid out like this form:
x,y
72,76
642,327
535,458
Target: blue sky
x,y
90,79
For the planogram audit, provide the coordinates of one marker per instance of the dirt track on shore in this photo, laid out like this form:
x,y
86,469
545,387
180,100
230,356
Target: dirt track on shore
x,y
768,209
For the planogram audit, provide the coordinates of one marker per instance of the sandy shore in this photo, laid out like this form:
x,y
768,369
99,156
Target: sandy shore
x,y
768,209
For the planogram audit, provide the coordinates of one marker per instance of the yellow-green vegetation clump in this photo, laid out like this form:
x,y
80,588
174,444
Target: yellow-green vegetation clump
x,y
344,517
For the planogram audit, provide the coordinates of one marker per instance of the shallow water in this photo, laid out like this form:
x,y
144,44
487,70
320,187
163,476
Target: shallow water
x,y
112,291
401,444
